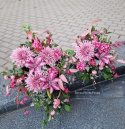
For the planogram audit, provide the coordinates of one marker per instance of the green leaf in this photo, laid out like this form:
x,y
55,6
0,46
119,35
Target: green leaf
x,y
62,62
20,74
40,102
66,96
69,52
25,30
44,122
84,77
67,108
22,44
29,27
28,92
55,45
93,28
105,76
11,71
20,71
105,31
37,106
23,26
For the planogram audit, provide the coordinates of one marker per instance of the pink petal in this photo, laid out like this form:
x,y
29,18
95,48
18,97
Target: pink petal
x,y
55,86
56,80
121,61
45,86
61,84
51,90
74,59
94,32
63,78
73,70
8,89
113,57
43,79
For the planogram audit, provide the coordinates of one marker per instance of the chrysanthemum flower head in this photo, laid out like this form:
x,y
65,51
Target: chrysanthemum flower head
x,y
47,56
85,51
21,56
34,82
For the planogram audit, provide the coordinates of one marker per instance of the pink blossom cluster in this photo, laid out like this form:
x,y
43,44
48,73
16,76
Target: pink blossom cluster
x,y
81,66
37,46
102,47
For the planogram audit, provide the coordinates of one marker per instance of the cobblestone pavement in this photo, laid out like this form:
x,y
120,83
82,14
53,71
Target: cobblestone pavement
x,y
64,18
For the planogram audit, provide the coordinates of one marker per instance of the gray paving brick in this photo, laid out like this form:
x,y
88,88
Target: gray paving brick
x,y
2,62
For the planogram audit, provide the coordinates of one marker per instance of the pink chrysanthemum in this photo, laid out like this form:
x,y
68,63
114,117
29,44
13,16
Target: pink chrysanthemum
x,y
81,66
47,56
21,56
85,51
37,46
34,82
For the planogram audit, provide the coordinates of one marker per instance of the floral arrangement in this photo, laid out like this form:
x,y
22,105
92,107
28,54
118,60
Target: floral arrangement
x,y
40,70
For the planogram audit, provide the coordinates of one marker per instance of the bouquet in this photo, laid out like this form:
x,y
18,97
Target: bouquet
x,y
40,69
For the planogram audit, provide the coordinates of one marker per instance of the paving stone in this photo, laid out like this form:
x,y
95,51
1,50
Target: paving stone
x,y
2,62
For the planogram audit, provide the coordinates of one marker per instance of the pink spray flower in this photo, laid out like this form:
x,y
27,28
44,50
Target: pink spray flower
x,y
12,77
37,46
56,103
113,67
47,31
22,102
66,90
19,81
92,62
25,98
47,36
94,72
74,79
67,100
21,56
52,113
85,51
102,47
70,73
53,70
26,112
57,54
116,75
81,66
5,77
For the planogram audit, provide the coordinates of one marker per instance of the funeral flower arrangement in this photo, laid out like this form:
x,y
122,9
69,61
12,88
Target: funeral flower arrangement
x,y
40,69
